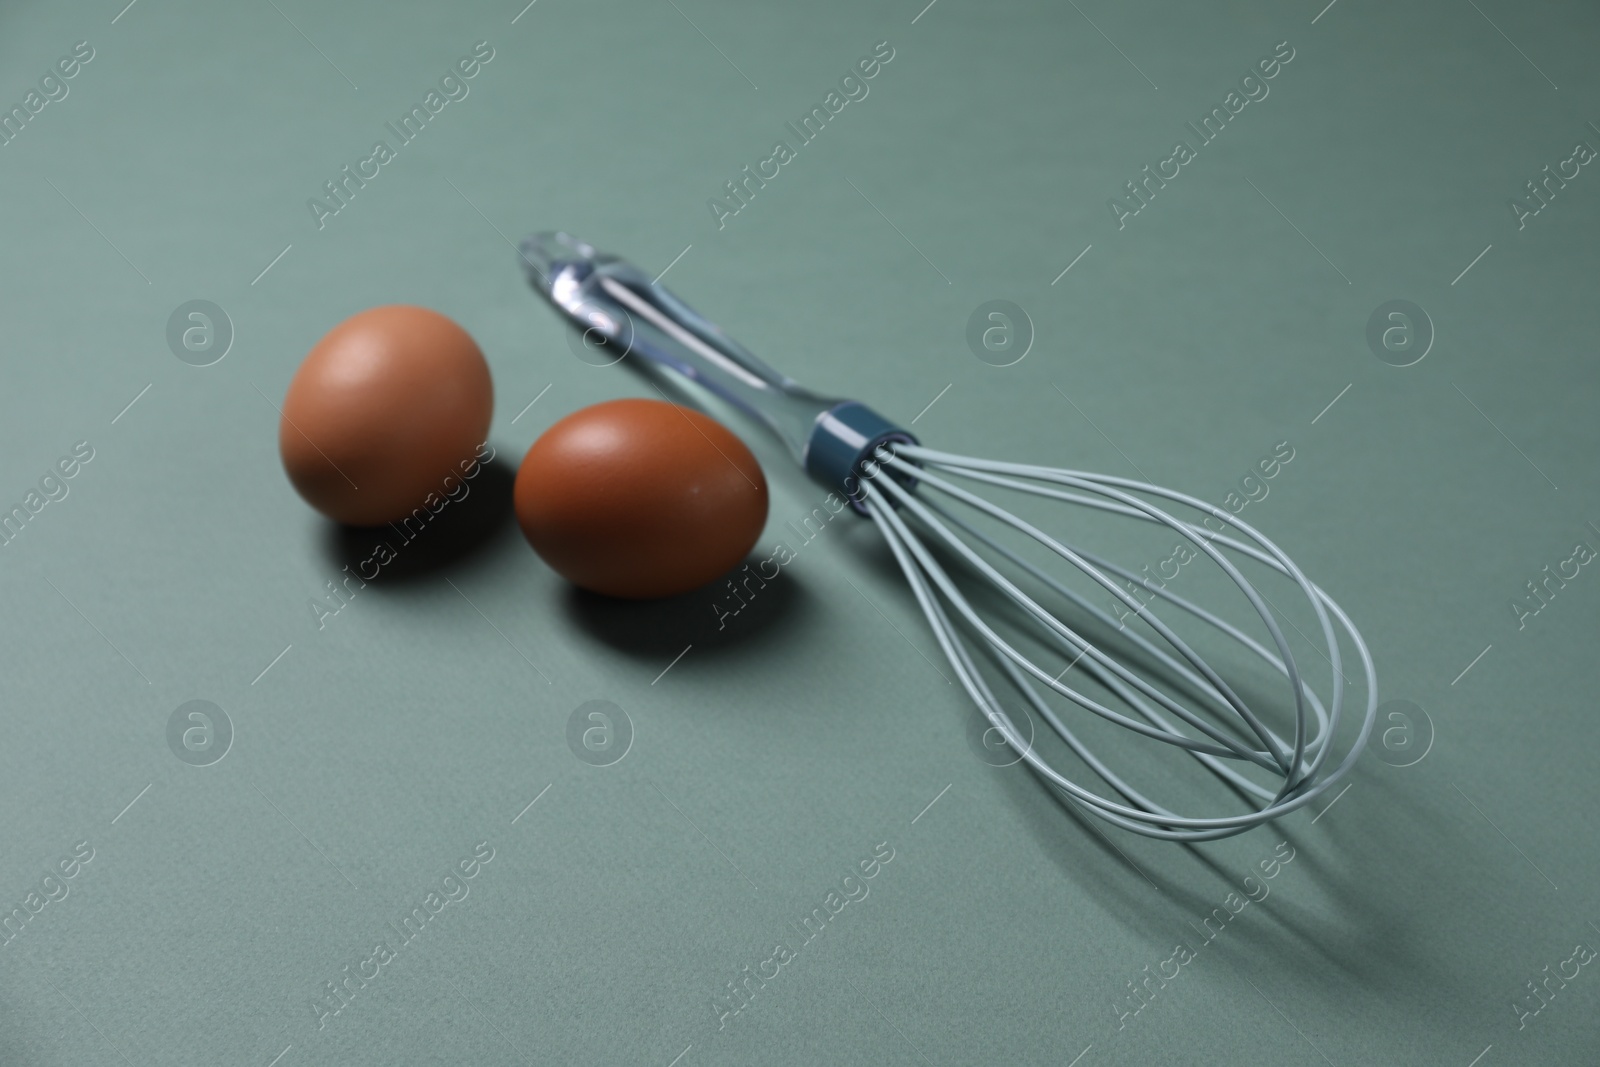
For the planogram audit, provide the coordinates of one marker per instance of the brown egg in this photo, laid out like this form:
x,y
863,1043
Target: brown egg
x,y
382,412
640,498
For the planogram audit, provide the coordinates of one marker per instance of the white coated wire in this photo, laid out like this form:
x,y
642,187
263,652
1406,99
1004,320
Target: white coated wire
x,y
919,490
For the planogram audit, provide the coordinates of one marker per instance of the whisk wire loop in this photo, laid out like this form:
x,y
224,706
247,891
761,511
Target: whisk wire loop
x,y
1299,764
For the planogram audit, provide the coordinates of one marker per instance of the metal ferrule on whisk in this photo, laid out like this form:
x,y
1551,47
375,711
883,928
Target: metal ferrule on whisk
x,y
843,443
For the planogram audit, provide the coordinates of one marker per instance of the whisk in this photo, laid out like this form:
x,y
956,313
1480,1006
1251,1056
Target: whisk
x,y
923,503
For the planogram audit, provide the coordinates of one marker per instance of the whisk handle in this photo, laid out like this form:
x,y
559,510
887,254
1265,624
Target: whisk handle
x,y
633,316
833,440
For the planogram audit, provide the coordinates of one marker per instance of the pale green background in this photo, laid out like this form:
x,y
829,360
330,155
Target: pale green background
x,y
408,730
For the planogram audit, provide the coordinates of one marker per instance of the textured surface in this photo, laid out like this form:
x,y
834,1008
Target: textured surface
x,y
377,741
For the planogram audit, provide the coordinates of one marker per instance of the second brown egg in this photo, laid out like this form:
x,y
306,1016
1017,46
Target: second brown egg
x,y
640,498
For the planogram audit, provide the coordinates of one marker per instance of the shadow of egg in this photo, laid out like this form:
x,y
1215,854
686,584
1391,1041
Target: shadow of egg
x,y
426,542
738,609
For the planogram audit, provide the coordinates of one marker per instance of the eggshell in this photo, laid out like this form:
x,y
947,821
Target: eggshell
x,y
640,498
382,412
